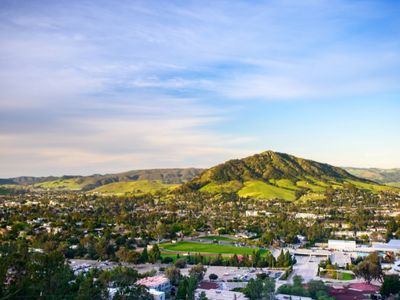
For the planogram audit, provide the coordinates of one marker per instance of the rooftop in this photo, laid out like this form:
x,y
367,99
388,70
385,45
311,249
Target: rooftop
x,y
356,291
153,281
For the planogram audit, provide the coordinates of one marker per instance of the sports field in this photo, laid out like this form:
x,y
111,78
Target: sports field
x,y
193,247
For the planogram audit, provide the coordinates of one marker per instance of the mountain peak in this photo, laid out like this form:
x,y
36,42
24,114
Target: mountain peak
x,y
270,170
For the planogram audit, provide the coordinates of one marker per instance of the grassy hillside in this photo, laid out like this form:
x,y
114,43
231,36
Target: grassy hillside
x,y
262,190
384,176
272,175
73,184
134,187
88,183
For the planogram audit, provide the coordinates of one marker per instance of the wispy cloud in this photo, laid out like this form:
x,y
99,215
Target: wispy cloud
x,y
96,85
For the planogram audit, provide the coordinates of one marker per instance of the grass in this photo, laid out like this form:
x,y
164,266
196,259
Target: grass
x,y
208,248
262,190
284,183
217,238
227,187
347,276
370,186
311,186
134,187
71,184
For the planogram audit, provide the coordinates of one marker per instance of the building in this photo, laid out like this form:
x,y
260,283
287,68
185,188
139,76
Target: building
x,y
220,295
159,283
342,245
391,246
291,297
355,291
157,295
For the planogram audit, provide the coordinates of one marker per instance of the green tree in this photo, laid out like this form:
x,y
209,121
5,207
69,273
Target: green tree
x,y
390,285
154,254
213,276
91,288
192,286
316,287
173,274
144,257
133,292
260,289
182,289
198,272
370,268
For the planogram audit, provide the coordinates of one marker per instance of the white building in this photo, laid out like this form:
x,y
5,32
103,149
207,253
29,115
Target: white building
x,y
157,295
391,246
342,245
159,283
220,294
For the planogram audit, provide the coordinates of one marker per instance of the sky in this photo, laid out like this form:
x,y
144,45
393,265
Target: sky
x,y
108,86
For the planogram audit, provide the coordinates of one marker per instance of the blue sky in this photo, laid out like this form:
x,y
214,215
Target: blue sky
x,y
106,86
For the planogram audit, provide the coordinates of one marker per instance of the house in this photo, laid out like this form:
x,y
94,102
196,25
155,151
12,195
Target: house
x,y
159,283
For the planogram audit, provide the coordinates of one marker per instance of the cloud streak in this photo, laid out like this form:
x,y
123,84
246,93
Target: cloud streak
x,y
87,86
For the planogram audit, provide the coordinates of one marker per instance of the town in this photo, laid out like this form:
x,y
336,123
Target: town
x,y
222,247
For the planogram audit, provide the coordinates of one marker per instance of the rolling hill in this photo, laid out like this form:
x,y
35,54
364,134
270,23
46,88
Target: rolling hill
x,y
271,175
385,176
131,181
268,175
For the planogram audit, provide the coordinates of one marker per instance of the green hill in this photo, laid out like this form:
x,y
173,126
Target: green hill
x,y
88,183
138,187
271,175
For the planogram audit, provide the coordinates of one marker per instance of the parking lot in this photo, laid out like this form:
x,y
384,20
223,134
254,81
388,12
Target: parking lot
x,y
232,273
306,267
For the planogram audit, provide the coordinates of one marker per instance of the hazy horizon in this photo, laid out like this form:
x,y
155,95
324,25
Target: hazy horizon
x,y
92,87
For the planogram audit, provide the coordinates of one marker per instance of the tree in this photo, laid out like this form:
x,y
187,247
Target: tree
x,y
213,276
297,280
180,263
126,255
390,285
91,288
203,296
144,257
160,230
133,292
197,271
173,274
192,286
154,254
49,275
370,268
260,289
316,287
182,289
